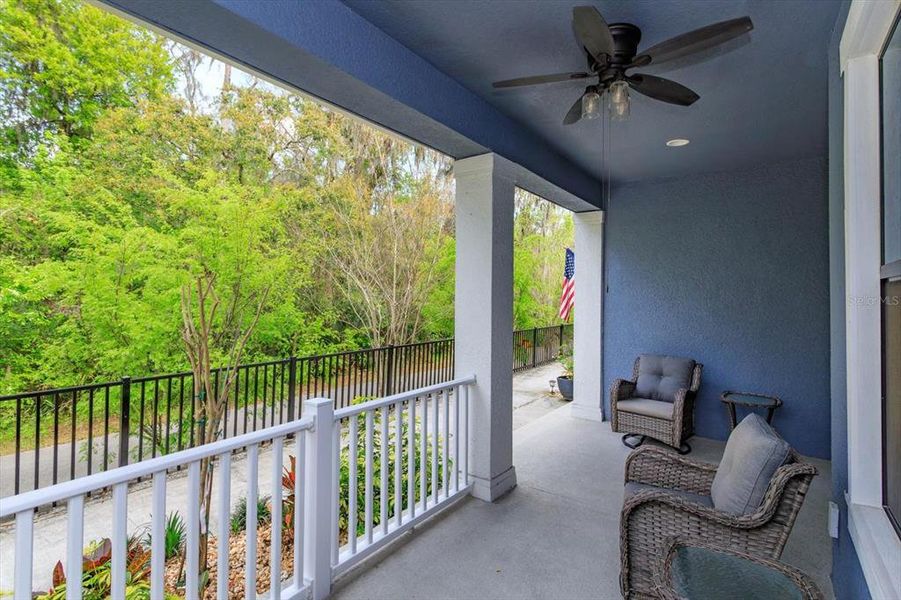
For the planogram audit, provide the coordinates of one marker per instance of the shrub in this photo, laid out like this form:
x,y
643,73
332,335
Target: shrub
x,y
566,359
96,572
423,465
238,519
175,535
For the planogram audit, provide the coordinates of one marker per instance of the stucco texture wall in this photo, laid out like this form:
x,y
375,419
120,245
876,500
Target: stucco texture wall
x,y
731,269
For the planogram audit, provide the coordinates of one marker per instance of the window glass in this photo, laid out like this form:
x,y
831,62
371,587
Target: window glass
x,y
891,148
891,277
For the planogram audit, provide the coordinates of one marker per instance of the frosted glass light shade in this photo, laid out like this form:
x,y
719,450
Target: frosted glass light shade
x,y
591,105
619,101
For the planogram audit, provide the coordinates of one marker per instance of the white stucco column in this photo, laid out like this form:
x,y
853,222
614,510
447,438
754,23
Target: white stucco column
x,y
483,320
588,383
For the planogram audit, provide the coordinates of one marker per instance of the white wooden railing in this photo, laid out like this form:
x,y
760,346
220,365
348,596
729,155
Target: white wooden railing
x,y
319,439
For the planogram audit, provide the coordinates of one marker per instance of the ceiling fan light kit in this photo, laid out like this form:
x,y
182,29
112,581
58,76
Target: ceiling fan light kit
x,y
591,104
611,50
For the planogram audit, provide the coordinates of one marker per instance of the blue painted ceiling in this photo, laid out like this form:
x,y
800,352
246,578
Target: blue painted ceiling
x,y
763,97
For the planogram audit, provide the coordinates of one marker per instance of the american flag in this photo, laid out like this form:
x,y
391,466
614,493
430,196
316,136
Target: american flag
x,y
568,297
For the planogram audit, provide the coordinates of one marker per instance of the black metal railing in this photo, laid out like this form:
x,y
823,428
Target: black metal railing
x,y
64,433
533,347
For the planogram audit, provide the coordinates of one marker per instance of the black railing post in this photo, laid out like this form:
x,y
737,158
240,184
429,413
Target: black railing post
x,y
124,417
389,372
534,347
561,336
292,385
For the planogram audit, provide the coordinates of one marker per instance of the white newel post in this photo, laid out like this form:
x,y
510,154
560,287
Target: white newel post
x,y
588,384
319,477
483,323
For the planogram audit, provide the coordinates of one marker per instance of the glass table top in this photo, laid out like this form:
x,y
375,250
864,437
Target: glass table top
x,y
750,399
704,574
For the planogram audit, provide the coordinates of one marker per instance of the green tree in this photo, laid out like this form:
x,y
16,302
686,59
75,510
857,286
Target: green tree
x,y
62,63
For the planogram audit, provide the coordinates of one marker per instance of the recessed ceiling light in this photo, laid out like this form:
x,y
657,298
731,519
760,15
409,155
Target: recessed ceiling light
x,y
677,142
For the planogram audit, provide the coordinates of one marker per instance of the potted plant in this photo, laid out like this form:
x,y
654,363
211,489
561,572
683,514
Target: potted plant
x,y
565,381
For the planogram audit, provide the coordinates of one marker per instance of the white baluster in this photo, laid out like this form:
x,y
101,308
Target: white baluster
x,y
300,462
192,559
398,463
336,485
352,487
411,464
383,487
435,449
24,553
120,535
250,562
466,435
275,539
225,468
445,478
158,537
457,438
367,484
74,545
423,453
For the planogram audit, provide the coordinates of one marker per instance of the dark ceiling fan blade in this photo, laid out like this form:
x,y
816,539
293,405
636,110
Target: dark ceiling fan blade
x,y
659,88
535,79
592,31
575,112
698,40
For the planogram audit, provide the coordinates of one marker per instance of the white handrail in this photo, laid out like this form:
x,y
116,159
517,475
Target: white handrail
x,y
350,411
83,485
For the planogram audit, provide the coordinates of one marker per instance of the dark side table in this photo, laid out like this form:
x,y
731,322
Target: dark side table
x,y
703,571
753,401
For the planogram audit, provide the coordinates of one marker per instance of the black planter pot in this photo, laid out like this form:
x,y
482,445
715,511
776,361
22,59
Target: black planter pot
x,y
565,385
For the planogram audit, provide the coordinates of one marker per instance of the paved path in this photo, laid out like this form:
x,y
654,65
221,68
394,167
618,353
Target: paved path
x,y
531,400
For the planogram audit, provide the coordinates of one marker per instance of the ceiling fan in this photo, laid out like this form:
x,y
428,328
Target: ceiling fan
x,y
613,49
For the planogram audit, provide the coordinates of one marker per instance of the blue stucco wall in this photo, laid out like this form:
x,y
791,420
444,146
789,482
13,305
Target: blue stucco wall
x,y
731,269
847,577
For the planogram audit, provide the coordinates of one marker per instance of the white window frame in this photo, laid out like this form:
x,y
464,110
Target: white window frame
x,y
865,34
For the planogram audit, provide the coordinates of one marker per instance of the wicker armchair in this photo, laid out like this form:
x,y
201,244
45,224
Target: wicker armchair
x,y
668,416
651,516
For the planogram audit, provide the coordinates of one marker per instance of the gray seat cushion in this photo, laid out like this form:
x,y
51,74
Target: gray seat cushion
x,y
633,488
753,453
647,407
660,377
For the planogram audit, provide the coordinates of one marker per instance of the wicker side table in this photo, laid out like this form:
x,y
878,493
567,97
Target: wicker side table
x,y
747,399
699,571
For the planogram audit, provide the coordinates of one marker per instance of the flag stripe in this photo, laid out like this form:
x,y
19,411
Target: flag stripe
x,y
568,294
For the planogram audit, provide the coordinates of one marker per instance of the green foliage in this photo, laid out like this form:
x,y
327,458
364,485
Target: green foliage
x,y
175,535
541,234
96,580
566,359
422,464
118,185
64,63
238,518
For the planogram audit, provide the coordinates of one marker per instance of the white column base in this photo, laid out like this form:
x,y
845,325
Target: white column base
x,y
491,490
581,411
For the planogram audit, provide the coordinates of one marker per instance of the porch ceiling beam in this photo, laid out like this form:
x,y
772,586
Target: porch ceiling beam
x,y
332,53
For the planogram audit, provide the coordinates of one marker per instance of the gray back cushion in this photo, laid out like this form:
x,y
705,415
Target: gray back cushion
x,y
753,453
660,377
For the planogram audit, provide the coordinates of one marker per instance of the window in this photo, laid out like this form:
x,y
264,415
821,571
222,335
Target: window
x,y
890,275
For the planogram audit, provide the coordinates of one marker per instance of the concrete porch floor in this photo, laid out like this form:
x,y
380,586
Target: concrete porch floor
x,y
556,535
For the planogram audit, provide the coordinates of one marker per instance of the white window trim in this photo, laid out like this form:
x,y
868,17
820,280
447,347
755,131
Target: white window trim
x,y
878,547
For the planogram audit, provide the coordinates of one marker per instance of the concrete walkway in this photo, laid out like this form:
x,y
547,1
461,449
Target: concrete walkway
x,y
531,401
